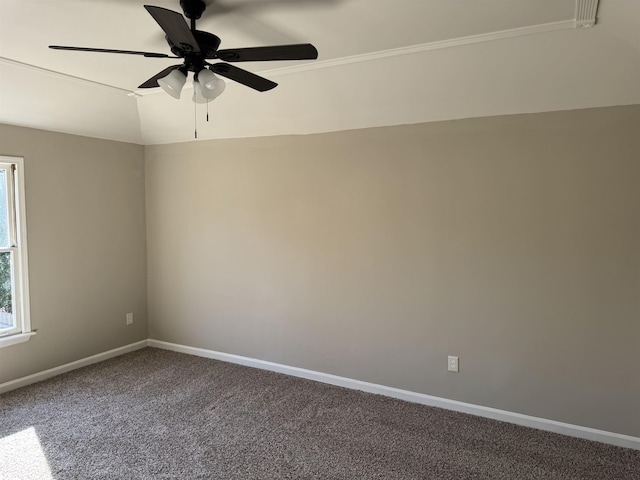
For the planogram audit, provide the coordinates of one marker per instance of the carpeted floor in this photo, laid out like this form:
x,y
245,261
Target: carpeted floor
x,y
159,414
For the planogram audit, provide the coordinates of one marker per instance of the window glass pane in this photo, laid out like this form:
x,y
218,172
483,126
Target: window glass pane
x,y
6,299
4,230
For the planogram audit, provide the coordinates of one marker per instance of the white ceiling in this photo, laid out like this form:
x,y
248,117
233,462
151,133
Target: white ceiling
x,y
382,62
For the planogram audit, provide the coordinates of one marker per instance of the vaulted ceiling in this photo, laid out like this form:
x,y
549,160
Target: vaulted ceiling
x,y
381,62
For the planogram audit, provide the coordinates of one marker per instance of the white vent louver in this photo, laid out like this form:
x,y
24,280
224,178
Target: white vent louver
x,y
586,13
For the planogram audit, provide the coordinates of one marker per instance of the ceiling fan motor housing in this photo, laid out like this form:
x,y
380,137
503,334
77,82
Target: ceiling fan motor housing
x,y
208,43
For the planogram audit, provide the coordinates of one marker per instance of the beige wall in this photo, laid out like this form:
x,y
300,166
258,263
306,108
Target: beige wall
x,y
512,242
86,242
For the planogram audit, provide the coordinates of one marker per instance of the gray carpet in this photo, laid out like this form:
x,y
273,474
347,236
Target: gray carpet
x,y
159,414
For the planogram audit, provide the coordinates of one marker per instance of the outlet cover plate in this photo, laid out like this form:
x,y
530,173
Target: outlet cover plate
x,y
454,364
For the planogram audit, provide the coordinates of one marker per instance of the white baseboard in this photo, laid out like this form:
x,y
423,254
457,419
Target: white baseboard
x,y
67,367
578,431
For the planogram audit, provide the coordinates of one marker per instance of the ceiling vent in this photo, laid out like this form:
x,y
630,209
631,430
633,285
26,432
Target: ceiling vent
x,y
586,11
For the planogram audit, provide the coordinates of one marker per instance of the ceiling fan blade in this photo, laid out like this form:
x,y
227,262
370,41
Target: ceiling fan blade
x,y
107,50
301,51
176,28
153,81
244,77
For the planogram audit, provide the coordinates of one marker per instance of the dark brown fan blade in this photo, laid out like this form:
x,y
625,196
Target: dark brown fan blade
x,y
301,51
106,50
153,81
242,76
176,28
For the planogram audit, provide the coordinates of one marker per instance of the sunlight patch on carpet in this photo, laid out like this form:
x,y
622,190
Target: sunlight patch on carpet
x,y
22,457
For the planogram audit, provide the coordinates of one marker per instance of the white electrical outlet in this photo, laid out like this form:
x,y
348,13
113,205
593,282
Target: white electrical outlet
x,y
129,318
454,365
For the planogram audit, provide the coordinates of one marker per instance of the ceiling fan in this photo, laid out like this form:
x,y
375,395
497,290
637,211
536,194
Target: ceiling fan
x,y
196,47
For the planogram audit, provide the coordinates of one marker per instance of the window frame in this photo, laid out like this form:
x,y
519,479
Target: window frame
x,y
17,239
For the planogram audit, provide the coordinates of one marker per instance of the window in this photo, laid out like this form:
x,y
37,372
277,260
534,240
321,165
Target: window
x,y
15,325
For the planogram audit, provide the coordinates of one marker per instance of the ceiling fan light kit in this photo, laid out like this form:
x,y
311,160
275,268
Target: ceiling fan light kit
x,y
173,82
210,85
203,94
196,47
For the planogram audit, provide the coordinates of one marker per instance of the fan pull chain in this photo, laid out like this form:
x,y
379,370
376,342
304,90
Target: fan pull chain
x,y
207,111
195,120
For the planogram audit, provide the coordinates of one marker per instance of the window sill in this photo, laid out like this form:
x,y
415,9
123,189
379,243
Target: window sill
x,y
14,339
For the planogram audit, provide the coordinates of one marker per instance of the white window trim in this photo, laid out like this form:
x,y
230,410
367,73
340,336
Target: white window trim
x,y
21,275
